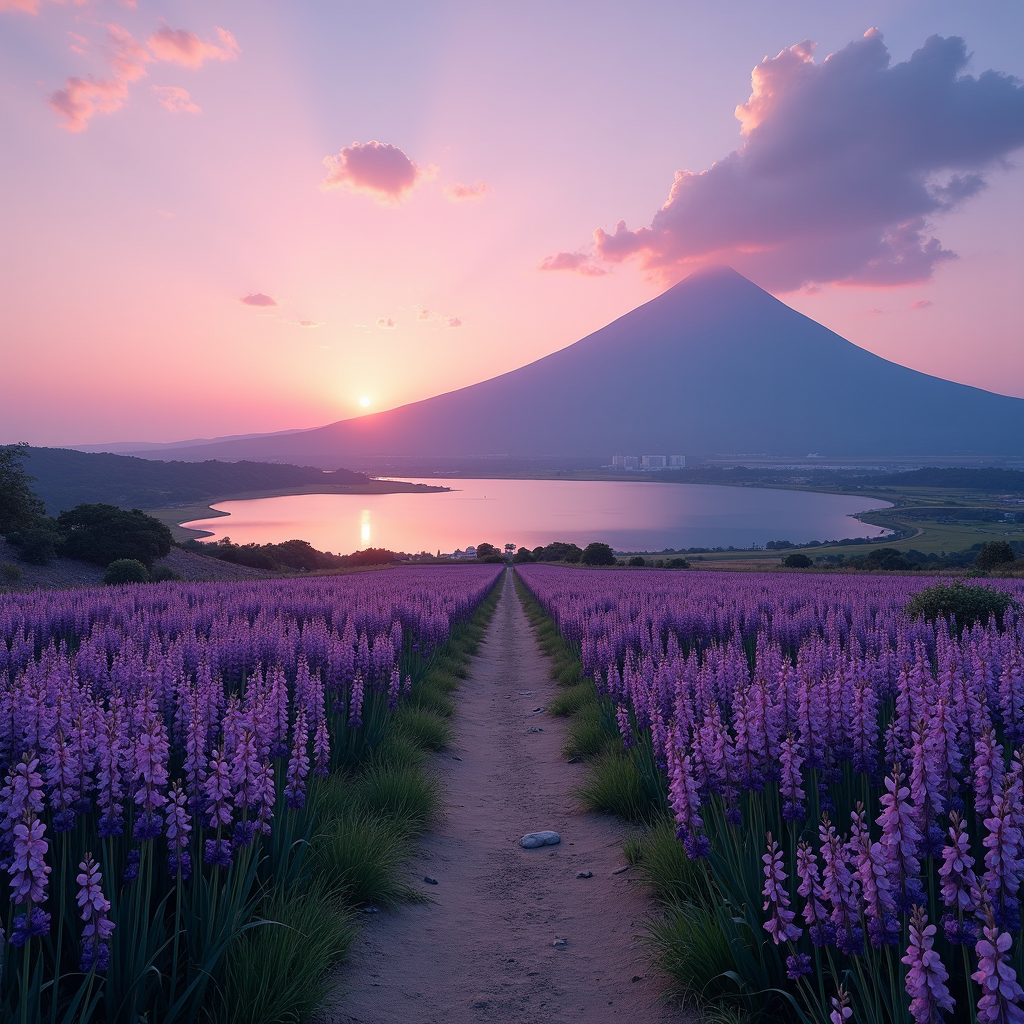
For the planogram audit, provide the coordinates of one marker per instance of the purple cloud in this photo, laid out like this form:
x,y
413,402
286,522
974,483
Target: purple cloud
x,y
577,261
843,165
258,299
378,168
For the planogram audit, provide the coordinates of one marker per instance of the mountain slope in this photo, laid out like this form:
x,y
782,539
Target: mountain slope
x,y
715,364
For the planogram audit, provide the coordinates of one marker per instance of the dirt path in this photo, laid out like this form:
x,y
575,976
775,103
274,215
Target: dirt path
x,y
483,949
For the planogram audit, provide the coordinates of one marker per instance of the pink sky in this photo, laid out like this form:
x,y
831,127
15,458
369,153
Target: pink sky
x,y
251,217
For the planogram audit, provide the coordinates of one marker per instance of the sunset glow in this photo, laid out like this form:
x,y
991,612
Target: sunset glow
x,y
428,222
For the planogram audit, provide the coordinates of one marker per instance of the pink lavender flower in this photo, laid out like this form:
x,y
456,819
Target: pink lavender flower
x,y
95,908
926,977
1001,993
776,897
841,1009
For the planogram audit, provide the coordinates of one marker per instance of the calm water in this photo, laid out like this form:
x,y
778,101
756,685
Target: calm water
x,y
629,515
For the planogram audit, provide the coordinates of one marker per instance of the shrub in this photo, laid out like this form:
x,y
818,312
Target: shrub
x,y
484,550
636,560
796,562
995,553
405,795
522,555
967,605
10,573
105,533
597,554
126,570
676,563
36,545
616,787
163,574
421,727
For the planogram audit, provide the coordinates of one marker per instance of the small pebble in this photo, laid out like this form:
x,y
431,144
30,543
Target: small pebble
x,y
526,693
585,874
574,760
537,711
638,977
560,943
537,729
534,839
429,880
455,757
618,871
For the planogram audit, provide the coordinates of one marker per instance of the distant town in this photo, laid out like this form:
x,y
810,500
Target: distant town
x,y
648,462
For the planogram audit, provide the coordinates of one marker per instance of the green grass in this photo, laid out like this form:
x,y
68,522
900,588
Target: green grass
x,y
402,794
276,972
422,728
616,787
572,700
431,698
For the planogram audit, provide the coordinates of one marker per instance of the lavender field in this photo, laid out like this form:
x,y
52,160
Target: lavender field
x,y
163,748
845,783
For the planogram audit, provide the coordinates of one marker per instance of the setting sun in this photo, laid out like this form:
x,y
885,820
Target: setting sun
x,y
364,401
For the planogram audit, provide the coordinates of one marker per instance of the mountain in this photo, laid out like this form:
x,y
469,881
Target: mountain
x,y
713,365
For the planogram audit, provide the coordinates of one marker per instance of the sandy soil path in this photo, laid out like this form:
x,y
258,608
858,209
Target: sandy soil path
x,y
484,950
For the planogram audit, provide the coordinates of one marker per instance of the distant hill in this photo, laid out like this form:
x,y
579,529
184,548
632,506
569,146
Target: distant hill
x,y
65,478
713,365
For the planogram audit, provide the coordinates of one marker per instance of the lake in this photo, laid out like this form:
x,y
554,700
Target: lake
x,y
629,515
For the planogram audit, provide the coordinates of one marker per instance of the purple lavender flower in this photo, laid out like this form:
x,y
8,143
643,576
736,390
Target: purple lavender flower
x,y
776,897
29,869
95,908
791,780
131,868
625,726
1001,993
28,926
899,842
217,790
841,888
298,764
879,909
217,852
926,977
178,820
1003,865
819,925
987,771
355,706
798,965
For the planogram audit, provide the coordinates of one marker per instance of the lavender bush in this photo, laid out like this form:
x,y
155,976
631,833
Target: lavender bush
x,y
848,777
159,750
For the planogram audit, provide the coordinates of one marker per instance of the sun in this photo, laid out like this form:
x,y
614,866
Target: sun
x,y
364,402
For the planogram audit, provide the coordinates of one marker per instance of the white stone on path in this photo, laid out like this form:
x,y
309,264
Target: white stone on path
x,y
534,839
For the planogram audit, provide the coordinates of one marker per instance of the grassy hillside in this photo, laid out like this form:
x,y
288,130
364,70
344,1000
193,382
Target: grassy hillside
x,y
65,478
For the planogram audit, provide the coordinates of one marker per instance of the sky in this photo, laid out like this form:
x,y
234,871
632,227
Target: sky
x,y
232,217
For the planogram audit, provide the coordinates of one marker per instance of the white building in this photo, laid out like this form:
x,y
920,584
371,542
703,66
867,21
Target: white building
x,y
677,462
653,461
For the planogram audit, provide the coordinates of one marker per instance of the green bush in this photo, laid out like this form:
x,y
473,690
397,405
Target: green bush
x,y
126,570
11,573
362,854
676,563
38,544
995,554
960,602
797,562
572,699
637,560
597,554
163,574
105,533
406,796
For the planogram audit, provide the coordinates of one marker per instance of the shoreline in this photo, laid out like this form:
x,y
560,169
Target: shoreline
x,y
172,516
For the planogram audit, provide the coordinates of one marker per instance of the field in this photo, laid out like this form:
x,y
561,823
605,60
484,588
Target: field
x,y
198,774
834,798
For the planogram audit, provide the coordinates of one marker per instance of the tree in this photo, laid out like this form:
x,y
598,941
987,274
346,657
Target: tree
x,y
105,533
966,605
37,544
676,563
797,561
20,507
522,555
636,560
993,554
485,549
597,554
126,570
